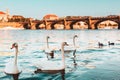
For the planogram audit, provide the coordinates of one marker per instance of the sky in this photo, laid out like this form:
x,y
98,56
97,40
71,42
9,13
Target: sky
x,y
39,8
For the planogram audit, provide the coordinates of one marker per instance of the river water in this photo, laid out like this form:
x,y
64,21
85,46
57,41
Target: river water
x,y
93,63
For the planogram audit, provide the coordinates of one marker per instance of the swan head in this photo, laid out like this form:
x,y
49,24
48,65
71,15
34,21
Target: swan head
x,y
75,36
64,44
47,37
14,45
98,42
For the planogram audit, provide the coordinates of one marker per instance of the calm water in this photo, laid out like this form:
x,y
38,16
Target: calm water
x,y
93,63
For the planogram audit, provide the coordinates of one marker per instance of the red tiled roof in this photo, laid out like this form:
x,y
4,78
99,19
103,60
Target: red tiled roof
x,y
2,12
49,15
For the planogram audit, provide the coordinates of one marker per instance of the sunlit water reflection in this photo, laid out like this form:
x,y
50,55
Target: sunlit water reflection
x,y
93,63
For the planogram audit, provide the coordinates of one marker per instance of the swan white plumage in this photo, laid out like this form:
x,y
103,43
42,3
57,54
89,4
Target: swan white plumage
x,y
11,68
49,51
53,67
75,36
73,47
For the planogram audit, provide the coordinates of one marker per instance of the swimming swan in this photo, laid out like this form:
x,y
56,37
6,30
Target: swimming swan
x,y
48,51
73,47
53,67
11,68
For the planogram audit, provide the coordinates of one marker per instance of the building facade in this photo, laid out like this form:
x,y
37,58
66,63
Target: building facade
x,y
4,16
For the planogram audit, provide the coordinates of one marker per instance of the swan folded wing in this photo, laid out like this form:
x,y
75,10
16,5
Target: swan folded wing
x,y
11,68
39,64
50,65
48,50
69,48
53,67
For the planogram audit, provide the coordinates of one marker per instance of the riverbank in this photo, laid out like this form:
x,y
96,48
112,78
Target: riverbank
x,y
13,24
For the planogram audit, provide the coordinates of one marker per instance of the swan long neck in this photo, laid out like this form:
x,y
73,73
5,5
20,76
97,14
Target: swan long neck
x,y
47,42
16,53
63,57
74,41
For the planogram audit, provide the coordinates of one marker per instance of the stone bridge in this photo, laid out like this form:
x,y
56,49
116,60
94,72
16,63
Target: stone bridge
x,y
92,22
67,23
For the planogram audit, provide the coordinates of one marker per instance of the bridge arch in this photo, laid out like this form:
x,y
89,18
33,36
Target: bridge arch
x,y
79,25
40,26
58,25
100,21
26,26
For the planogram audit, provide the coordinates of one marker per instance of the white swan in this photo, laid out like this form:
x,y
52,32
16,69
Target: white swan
x,y
73,47
53,66
11,68
75,36
49,51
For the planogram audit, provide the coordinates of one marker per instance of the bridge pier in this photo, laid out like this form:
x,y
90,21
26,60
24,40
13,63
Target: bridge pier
x,y
48,25
33,27
119,26
119,22
67,25
90,24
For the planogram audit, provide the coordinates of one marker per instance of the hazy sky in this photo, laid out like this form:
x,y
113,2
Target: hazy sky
x,y
39,8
